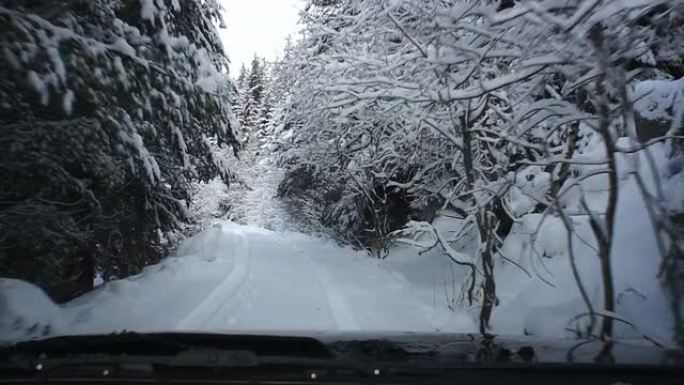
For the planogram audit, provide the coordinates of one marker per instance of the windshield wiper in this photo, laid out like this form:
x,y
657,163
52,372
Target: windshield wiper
x,y
167,344
138,354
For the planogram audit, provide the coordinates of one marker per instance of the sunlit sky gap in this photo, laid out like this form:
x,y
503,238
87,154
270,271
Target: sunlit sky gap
x,y
257,26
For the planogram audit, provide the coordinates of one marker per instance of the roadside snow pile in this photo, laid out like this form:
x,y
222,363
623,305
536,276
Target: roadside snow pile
x,y
659,107
537,293
156,299
25,311
660,99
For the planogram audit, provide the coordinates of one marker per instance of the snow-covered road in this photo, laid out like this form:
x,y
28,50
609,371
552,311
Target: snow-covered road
x,y
237,278
294,282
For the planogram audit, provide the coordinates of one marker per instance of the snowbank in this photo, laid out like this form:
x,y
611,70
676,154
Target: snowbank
x,y
537,292
544,299
25,311
659,99
154,300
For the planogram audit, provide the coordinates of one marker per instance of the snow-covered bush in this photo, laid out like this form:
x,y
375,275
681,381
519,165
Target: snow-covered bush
x,y
496,112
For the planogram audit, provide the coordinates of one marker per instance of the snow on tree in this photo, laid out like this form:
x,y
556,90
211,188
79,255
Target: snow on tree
x,y
109,111
494,111
254,103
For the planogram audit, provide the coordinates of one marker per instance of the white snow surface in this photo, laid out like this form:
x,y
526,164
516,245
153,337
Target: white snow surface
x,y
232,278
544,299
660,100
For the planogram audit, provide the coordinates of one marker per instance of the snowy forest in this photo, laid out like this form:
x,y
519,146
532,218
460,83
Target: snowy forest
x,y
526,155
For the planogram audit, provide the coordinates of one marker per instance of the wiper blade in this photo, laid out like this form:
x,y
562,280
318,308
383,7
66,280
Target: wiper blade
x,y
109,363
169,344
138,353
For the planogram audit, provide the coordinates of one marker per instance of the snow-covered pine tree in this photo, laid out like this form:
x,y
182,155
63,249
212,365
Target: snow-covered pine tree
x,y
267,103
109,110
255,100
255,92
255,80
240,104
242,77
281,73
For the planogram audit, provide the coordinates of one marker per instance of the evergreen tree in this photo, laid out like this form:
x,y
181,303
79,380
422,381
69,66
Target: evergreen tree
x,y
265,111
255,82
242,77
254,101
240,105
109,112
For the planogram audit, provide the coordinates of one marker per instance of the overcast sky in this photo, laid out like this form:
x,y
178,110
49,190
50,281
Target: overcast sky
x,y
257,26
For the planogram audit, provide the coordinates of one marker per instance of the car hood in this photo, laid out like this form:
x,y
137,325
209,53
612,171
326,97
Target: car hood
x,y
414,348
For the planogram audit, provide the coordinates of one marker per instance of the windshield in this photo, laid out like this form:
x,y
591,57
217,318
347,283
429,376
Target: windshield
x,y
504,167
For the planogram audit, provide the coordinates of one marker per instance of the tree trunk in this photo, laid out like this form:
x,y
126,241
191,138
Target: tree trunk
x,y
486,238
605,234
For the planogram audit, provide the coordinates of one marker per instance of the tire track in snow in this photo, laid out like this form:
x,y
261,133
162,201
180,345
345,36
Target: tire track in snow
x,y
230,288
339,308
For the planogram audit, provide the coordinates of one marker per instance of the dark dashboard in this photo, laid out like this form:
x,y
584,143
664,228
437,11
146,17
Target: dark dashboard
x,y
322,358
